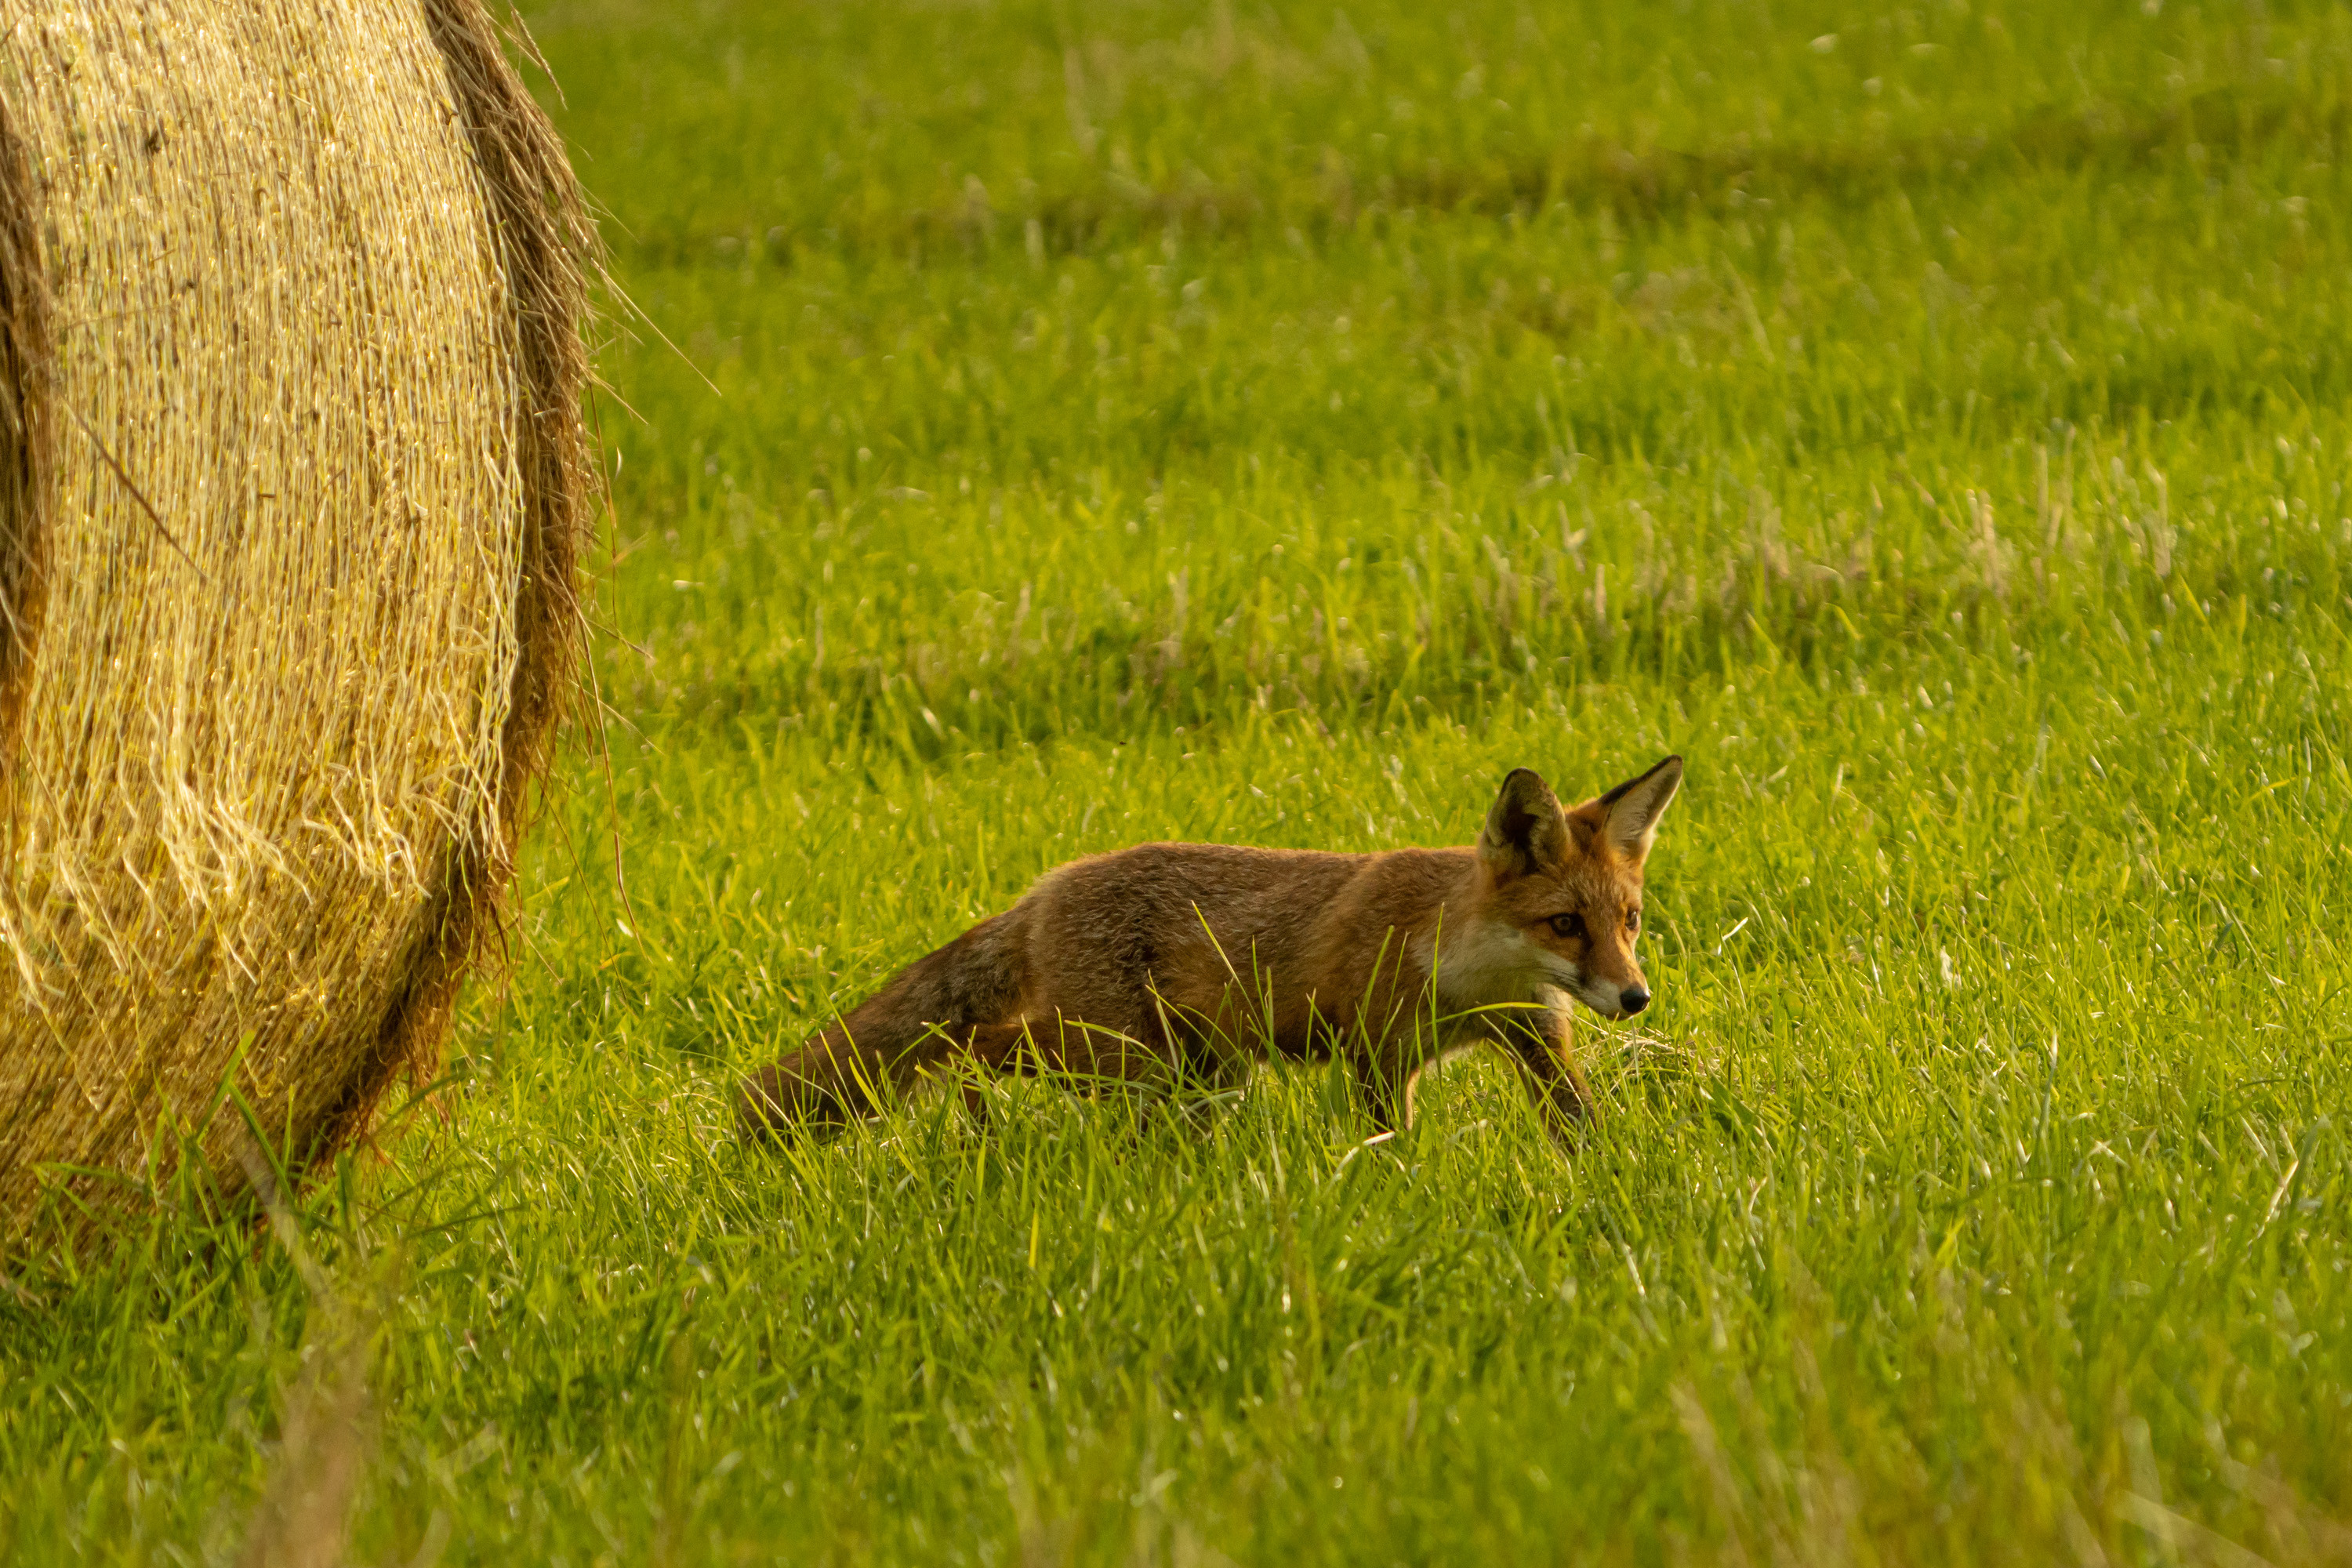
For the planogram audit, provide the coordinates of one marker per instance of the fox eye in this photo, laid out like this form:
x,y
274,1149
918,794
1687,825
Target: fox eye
x,y
1568,925
1632,919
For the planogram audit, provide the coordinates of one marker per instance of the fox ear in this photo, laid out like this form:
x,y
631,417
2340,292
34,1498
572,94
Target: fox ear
x,y
1525,828
1627,816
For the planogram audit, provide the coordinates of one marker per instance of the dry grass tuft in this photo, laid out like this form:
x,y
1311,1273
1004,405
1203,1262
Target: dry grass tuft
x,y
292,479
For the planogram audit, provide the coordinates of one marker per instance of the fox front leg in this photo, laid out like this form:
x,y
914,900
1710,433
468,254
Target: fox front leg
x,y
1539,1042
1385,1076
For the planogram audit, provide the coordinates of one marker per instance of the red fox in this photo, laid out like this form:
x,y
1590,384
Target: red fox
x,y
1169,962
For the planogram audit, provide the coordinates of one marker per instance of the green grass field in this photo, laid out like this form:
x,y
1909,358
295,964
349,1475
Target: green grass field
x,y
1270,423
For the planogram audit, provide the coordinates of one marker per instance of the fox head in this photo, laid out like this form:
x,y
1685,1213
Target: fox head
x,y
1561,889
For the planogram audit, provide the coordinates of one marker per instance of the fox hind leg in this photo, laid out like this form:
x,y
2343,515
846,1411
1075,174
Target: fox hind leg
x,y
990,1050
1164,1056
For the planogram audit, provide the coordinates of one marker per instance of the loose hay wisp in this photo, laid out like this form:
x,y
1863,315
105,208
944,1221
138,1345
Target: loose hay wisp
x,y
292,490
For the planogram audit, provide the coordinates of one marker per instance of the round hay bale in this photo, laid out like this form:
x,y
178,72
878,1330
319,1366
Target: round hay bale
x,y
293,485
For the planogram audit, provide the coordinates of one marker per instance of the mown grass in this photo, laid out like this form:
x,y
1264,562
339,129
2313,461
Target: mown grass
x,y
1271,425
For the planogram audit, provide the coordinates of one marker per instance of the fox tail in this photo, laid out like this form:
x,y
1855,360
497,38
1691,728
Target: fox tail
x,y
931,1010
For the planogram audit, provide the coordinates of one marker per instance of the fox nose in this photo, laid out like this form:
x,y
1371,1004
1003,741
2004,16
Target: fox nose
x,y
1633,999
